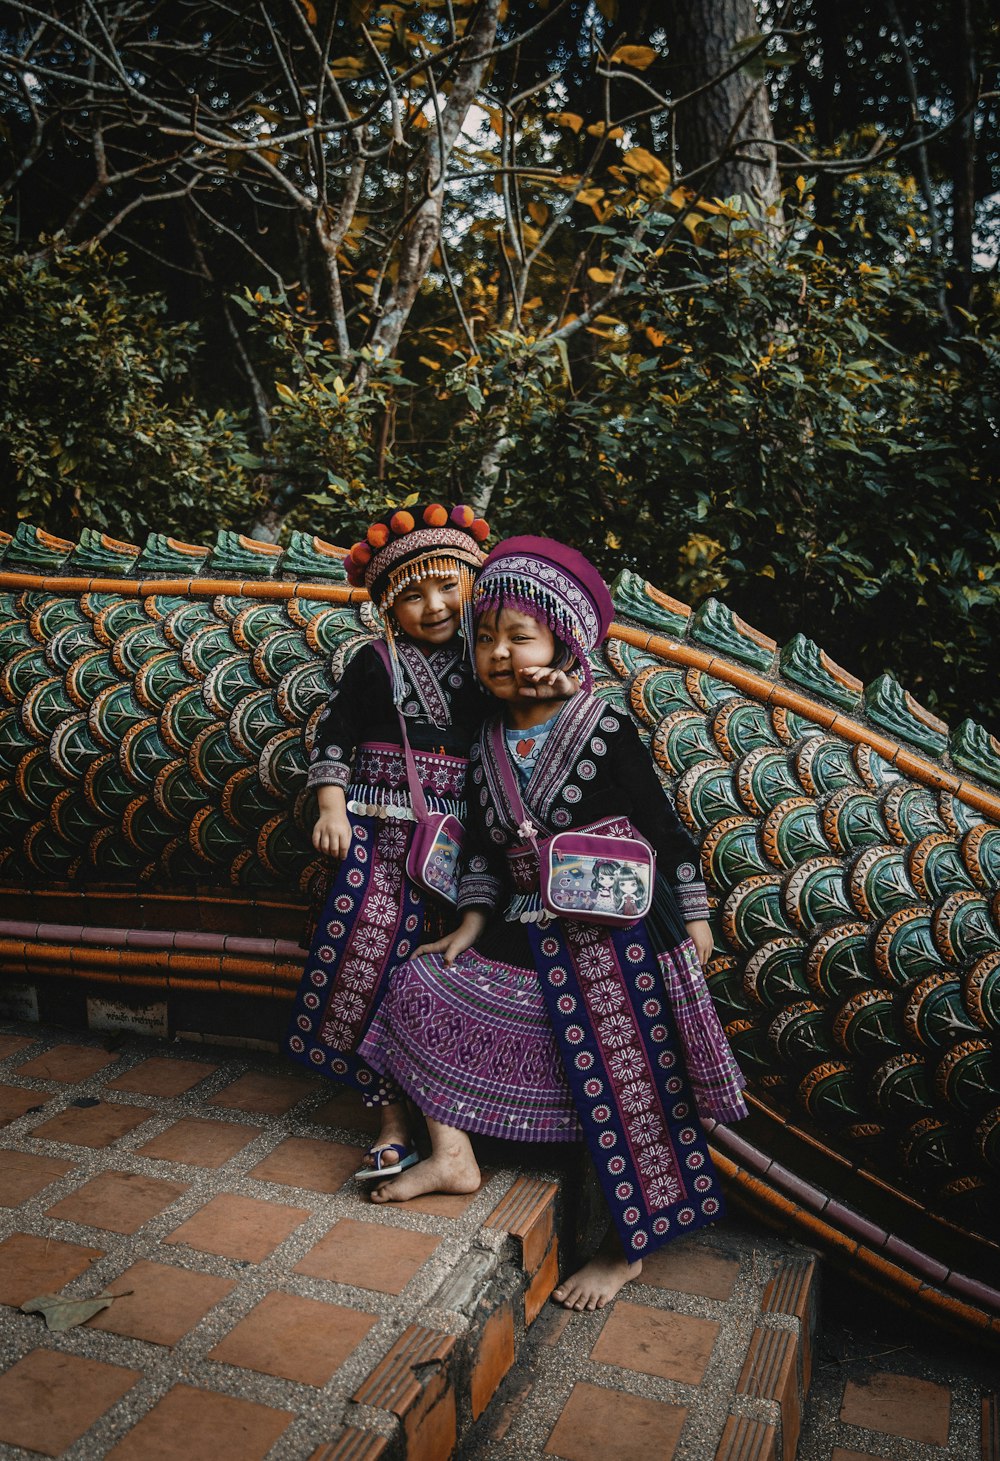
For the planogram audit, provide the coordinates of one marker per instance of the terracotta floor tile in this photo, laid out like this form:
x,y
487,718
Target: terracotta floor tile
x,y
32,1266
67,1063
368,1256
604,1425
15,1100
347,1110
656,1342
266,1095
686,1268
301,1161
22,1175
239,1227
199,1425
199,1143
118,1201
898,1405
94,1126
164,1302
294,1338
48,1400
159,1076
10,1044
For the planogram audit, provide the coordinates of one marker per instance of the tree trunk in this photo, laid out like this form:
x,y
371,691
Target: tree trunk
x,y
712,126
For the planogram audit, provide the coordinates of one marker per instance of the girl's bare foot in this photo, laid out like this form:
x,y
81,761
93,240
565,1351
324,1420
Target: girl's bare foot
x,y
442,1172
597,1282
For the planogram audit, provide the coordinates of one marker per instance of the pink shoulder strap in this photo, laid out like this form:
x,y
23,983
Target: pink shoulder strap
x,y
417,799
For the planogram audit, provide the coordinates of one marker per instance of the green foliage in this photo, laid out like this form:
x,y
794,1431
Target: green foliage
x,y
96,427
789,428
328,445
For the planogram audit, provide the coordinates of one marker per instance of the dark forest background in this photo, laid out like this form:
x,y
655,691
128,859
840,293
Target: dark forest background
x,y
708,289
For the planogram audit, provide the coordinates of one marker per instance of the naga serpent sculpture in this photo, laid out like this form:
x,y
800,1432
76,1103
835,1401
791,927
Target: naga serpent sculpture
x,y
156,708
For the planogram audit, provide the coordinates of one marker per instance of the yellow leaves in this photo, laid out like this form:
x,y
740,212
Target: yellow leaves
x,y
590,195
571,120
496,119
430,364
287,395
532,303
539,213
338,385
601,276
643,162
310,11
640,58
603,129
655,337
800,184
345,68
692,221
721,208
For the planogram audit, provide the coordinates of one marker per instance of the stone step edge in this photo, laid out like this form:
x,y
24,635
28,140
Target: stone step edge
x,y
432,1385
765,1420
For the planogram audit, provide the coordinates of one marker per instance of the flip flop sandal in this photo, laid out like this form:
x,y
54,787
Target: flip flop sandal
x,y
400,1157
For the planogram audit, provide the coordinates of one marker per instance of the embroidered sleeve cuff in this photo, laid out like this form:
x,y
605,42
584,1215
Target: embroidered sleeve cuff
x,y
479,890
328,773
692,899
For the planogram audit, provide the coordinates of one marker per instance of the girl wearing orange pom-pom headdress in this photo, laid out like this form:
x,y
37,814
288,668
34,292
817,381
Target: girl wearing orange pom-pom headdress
x,y
418,564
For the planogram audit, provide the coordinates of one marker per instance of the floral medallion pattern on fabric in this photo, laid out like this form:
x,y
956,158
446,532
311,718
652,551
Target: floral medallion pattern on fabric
x,y
620,1048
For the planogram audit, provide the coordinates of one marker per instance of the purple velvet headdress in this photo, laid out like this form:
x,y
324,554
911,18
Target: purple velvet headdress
x,y
555,585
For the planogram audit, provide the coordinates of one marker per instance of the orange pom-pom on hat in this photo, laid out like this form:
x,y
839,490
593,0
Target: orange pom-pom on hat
x,y
407,543
356,562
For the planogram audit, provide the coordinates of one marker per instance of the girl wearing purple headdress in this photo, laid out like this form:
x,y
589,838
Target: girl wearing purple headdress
x,y
535,1028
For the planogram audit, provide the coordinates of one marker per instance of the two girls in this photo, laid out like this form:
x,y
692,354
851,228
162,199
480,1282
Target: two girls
x,y
418,566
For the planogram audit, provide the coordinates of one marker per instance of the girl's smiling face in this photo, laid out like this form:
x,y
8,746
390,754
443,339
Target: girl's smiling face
x,y
429,609
507,643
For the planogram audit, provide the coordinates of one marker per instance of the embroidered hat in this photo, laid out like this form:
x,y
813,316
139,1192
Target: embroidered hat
x,y
417,542
552,583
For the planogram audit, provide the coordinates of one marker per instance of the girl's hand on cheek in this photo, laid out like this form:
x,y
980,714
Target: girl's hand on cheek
x,y
541,682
